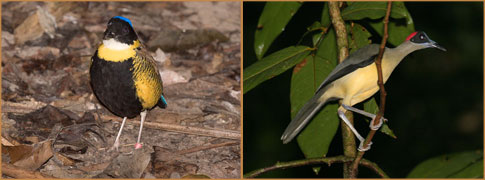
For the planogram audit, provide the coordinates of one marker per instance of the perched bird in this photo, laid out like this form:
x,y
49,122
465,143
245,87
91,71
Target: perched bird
x,y
124,77
354,80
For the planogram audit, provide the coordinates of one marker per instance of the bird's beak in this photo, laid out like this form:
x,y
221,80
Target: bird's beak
x,y
108,34
435,45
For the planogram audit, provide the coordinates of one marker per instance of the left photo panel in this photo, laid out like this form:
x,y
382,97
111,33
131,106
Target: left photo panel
x,y
121,90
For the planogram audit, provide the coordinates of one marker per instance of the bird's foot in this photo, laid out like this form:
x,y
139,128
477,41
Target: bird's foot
x,y
138,146
361,146
376,127
115,146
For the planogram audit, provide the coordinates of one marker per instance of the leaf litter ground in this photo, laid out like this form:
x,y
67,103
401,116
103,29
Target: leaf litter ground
x,y
53,124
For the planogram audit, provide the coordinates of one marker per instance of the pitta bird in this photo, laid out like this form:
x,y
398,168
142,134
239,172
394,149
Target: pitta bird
x,y
124,77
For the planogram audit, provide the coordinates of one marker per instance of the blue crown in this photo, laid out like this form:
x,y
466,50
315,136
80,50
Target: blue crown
x,y
124,19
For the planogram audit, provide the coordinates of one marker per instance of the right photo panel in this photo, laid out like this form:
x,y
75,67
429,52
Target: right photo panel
x,y
363,89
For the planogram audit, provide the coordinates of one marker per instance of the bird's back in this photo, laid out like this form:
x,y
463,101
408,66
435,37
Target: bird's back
x,y
360,58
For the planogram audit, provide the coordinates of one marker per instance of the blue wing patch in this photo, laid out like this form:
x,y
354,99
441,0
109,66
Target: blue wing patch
x,y
124,19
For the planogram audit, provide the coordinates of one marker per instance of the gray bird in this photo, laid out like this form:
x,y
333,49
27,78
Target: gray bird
x,y
354,80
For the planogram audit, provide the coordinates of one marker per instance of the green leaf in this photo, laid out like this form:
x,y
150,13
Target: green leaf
x,y
316,26
359,37
315,38
371,106
398,29
373,10
315,139
387,130
325,19
272,22
457,165
273,65
475,170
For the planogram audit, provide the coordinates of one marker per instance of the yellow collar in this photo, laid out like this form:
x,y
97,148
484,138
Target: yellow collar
x,y
117,55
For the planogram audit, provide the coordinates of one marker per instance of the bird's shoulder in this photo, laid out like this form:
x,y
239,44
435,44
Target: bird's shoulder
x,y
361,55
360,58
142,54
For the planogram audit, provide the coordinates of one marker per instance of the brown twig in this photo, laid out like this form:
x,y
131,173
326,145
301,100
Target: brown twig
x,y
206,147
219,133
348,139
315,161
380,82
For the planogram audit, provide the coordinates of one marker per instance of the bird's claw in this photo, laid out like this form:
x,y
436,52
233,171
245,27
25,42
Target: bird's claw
x,y
115,146
376,127
361,146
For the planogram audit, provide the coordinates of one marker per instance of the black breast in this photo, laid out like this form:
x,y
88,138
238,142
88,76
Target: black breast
x,y
112,83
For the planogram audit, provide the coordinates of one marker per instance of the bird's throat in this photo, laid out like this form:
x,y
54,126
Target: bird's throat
x,y
112,50
115,45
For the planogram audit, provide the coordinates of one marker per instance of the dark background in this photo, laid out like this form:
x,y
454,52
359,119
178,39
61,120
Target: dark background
x,y
434,103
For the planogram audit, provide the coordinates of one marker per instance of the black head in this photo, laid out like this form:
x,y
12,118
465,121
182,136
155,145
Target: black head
x,y
420,38
120,29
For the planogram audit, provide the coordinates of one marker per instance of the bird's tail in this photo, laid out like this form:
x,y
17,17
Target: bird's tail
x,y
302,118
162,103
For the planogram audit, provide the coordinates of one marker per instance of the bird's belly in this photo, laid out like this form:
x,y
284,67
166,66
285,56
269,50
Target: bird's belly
x,y
359,85
113,85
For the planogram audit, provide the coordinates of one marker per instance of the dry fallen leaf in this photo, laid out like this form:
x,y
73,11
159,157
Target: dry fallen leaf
x,y
30,156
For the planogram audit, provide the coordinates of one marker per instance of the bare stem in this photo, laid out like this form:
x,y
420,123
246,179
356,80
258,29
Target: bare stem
x,y
316,161
380,82
341,32
348,139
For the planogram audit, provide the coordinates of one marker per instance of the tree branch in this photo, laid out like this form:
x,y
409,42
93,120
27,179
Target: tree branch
x,y
316,161
348,139
380,82
340,30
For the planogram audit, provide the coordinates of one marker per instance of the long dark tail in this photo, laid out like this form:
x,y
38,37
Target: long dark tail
x,y
303,117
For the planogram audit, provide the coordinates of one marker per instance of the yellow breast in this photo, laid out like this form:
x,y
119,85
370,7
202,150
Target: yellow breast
x,y
358,85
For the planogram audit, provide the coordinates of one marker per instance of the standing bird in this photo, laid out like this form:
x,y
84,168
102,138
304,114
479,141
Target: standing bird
x,y
354,80
124,77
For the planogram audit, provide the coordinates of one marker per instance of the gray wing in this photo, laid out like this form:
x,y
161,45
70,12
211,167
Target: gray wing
x,y
360,58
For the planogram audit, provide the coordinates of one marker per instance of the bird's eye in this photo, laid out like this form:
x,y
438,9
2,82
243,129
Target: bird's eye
x,y
421,37
125,30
